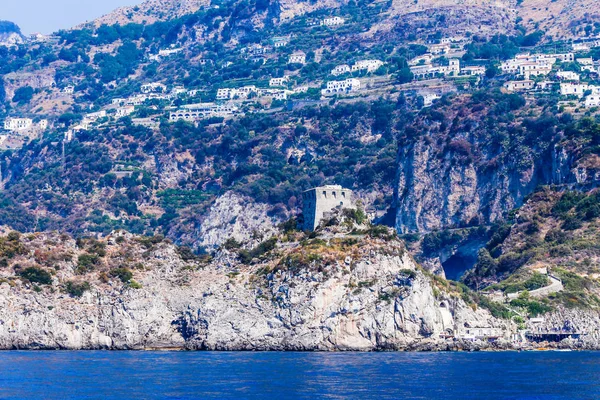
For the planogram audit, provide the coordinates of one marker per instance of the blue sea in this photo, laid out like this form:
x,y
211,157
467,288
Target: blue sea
x,y
208,375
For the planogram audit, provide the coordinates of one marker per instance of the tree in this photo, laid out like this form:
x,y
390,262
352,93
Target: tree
x,y
23,95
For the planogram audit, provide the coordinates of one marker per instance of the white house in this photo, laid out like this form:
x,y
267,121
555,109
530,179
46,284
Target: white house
x,y
568,75
194,112
514,86
441,48
345,86
333,21
300,89
581,47
17,124
587,64
369,65
473,70
168,52
279,41
240,93
154,87
124,111
70,89
273,82
578,89
298,57
429,98
340,70
593,100
95,116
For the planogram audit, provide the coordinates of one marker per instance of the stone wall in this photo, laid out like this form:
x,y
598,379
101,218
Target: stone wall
x,y
320,200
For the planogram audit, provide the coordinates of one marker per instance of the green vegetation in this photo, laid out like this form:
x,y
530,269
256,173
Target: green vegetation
x,y
87,262
76,289
246,256
36,275
124,274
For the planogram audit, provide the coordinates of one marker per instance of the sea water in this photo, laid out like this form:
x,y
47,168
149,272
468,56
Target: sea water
x,y
215,375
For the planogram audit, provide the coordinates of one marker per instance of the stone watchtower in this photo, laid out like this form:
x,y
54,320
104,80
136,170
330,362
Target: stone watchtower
x,y
321,200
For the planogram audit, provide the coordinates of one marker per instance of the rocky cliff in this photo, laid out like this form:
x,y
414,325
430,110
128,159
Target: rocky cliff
x,y
352,294
469,166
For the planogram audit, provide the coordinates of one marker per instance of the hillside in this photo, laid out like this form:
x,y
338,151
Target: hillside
x,y
150,11
10,34
182,123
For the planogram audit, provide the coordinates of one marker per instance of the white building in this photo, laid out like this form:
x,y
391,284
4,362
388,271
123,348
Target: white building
x,y
124,111
17,124
345,86
473,70
340,70
233,93
118,101
300,89
177,90
515,86
298,57
429,71
70,89
441,48
568,75
587,64
369,65
581,47
279,41
95,116
278,81
154,87
534,64
333,21
593,100
168,52
429,98
534,69
194,112
43,124
255,49
578,89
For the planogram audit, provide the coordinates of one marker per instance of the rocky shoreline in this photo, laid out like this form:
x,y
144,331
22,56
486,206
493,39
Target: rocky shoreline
x,y
368,297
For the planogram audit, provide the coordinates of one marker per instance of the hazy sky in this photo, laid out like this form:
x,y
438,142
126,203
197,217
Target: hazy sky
x,y
48,16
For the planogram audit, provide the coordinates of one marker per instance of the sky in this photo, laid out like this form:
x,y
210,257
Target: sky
x,y
47,16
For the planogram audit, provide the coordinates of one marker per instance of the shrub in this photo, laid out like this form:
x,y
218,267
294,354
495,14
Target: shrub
x,y
87,262
36,275
76,289
231,244
186,253
124,274
135,285
149,241
247,256
536,281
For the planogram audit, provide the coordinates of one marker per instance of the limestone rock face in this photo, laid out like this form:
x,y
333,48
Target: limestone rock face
x,y
379,300
233,216
439,187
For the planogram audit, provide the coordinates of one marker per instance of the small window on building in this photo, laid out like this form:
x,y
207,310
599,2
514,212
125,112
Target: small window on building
x,y
334,195
324,194
344,194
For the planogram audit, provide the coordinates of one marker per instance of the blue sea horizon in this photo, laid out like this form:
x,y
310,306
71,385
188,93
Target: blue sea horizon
x,y
295,375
